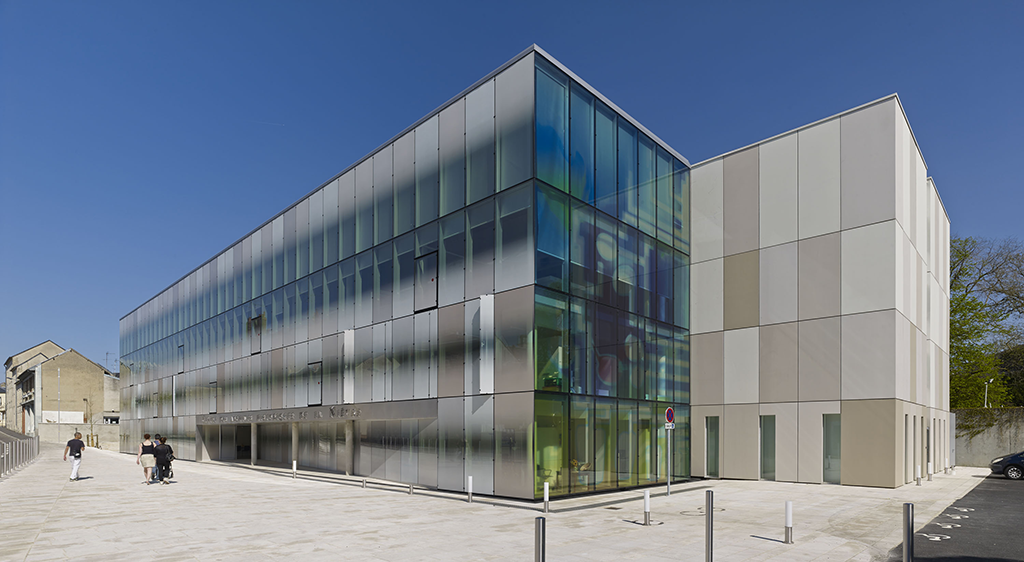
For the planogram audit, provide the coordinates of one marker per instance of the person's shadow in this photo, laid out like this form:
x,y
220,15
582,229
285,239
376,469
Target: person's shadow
x,y
85,477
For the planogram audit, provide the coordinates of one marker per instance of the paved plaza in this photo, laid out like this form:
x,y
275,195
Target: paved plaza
x,y
215,511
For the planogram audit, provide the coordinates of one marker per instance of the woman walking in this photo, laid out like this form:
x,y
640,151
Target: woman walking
x,y
146,457
164,455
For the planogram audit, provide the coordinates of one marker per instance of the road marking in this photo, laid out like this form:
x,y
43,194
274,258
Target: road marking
x,y
936,538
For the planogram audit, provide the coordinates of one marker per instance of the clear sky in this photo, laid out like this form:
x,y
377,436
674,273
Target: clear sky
x,y
138,139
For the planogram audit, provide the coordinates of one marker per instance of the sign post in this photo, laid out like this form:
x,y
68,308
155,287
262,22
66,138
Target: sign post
x,y
670,418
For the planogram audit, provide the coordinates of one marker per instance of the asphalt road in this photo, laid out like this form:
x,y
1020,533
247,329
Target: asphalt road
x,y
984,525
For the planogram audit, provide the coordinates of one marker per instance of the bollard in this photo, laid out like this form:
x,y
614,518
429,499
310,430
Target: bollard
x,y
364,482
469,489
410,489
709,509
908,532
295,468
647,508
538,540
546,498
789,522
918,475
929,471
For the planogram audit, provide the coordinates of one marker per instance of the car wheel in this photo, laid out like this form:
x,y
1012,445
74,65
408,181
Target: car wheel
x,y
1014,472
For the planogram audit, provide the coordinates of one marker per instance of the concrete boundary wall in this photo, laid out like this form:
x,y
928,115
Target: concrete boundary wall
x,y
983,434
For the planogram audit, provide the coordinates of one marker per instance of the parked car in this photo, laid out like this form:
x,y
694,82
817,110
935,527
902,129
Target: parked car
x,y
1012,466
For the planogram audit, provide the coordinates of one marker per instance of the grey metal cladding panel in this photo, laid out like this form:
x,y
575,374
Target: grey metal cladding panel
x,y
707,368
819,359
741,202
513,456
868,165
778,363
819,276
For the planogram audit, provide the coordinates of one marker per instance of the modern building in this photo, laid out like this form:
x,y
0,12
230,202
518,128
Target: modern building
x,y
53,392
500,291
820,320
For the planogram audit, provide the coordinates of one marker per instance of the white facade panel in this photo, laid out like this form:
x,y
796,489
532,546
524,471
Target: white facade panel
x,y
707,211
818,169
778,285
869,355
708,296
778,191
741,366
869,268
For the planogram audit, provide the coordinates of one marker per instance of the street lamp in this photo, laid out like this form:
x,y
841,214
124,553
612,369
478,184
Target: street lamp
x,y
986,391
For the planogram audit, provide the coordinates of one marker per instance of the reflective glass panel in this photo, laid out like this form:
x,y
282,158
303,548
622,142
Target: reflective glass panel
x,y
711,442
514,252
681,207
513,118
627,180
426,171
552,128
551,442
581,144
582,265
480,142
347,214
452,260
383,276
605,159
383,195
404,275
767,447
552,341
453,157
646,186
627,443
665,196
480,249
552,239
405,183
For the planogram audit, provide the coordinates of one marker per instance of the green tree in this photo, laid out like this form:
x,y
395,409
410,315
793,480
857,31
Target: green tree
x,y
979,316
1011,367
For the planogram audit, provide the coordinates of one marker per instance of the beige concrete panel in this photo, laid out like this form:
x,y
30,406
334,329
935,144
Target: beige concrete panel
x,y
741,442
707,368
919,297
785,439
811,445
868,165
707,296
741,366
944,379
904,273
741,202
904,145
818,177
778,295
921,353
778,361
869,355
740,282
819,359
698,446
871,443
706,209
921,207
818,265
869,268
936,394
904,363
777,191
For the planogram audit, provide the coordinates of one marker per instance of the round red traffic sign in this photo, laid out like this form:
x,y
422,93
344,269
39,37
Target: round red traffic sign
x,y
670,415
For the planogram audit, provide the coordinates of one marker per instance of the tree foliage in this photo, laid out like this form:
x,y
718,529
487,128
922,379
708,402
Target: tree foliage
x,y
986,300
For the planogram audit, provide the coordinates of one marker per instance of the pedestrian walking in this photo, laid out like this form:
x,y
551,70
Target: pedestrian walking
x,y
75,447
164,455
156,469
146,457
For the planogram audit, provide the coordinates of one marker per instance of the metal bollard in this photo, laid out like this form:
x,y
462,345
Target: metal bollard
x,y
930,471
908,532
364,482
709,520
789,522
918,475
410,489
546,497
647,508
295,468
538,540
469,489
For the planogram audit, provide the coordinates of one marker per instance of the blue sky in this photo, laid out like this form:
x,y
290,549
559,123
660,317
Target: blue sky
x,y
138,139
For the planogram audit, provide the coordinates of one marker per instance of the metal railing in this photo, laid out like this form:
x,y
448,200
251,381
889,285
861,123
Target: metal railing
x,y
17,453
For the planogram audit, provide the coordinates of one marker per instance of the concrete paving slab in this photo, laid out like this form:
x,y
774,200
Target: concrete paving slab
x,y
220,511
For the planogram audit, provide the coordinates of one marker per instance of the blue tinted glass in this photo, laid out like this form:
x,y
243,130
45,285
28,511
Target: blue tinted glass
x,y
627,188
665,283
605,159
626,272
552,239
552,125
581,251
581,144
681,207
665,195
646,206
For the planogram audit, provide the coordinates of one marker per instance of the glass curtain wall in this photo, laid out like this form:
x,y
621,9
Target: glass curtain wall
x,y
528,201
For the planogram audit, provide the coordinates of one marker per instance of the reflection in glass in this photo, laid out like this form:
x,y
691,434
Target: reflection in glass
x,y
347,214
383,194
453,157
832,449
552,125
552,239
681,207
383,276
426,171
627,179
550,444
581,143
665,196
767,447
480,142
513,261
582,265
582,462
404,265
405,183
605,149
364,205
552,336
480,249
513,118
711,442
646,192
452,260
627,445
